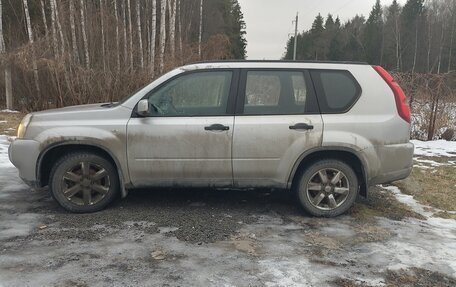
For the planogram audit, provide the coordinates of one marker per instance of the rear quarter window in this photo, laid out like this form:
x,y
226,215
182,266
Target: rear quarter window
x,y
337,91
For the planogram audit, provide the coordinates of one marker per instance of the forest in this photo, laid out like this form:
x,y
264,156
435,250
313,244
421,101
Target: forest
x,y
416,42
416,37
66,52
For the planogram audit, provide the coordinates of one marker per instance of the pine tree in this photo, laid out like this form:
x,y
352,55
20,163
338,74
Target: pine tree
x,y
316,34
329,24
237,33
337,22
410,36
373,35
317,25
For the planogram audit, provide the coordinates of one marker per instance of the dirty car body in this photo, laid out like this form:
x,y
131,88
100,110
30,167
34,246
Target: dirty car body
x,y
325,130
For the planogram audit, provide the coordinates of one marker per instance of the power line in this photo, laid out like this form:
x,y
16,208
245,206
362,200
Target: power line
x,y
343,6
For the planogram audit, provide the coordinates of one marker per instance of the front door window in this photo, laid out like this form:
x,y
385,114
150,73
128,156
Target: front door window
x,y
194,94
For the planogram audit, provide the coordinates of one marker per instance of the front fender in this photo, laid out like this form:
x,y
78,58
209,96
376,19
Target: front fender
x,y
112,141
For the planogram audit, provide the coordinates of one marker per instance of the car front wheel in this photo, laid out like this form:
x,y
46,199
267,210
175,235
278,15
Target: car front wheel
x,y
84,182
327,188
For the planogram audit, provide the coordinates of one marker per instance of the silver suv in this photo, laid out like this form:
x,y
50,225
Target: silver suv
x,y
326,131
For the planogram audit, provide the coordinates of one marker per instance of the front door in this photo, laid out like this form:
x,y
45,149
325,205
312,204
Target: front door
x,y
277,120
187,137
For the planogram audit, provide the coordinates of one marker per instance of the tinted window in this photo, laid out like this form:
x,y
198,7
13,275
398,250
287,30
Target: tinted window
x,y
337,91
275,93
195,94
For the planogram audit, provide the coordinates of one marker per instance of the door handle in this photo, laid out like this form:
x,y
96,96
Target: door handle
x,y
217,127
302,126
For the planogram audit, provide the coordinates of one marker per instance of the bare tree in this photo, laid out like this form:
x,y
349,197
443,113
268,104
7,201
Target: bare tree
x,y
2,39
415,54
54,29
450,52
200,37
172,26
43,14
442,39
79,58
103,53
73,32
429,45
84,35
162,34
453,22
398,43
124,30
59,27
8,81
31,41
138,23
131,32
179,24
153,37
117,36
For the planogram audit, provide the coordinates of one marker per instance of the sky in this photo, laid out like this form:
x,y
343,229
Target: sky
x,y
269,22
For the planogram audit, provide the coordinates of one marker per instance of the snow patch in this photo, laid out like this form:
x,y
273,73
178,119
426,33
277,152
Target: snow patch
x,y
425,210
284,272
14,225
435,148
9,111
4,161
431,163
14,222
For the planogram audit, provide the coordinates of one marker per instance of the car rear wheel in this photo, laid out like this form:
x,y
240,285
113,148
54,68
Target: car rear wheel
x,y
84,182
327,188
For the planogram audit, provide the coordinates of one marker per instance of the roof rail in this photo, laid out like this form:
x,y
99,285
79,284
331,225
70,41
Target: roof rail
x,y
279,61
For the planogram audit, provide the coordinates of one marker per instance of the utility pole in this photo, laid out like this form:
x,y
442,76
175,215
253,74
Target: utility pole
x,y
295,37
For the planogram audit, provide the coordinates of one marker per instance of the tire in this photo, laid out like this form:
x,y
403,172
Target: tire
x,y
327,188
84,182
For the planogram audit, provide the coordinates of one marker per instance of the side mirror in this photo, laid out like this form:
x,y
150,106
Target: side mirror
x,y
143,107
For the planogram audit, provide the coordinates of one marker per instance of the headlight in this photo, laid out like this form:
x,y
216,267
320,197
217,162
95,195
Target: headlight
x,y
23,126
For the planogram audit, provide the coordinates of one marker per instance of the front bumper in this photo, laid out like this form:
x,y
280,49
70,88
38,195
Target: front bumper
x,y
24,155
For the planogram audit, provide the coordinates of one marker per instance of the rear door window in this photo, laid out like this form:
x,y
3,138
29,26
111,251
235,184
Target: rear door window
x,y
337,91
277,92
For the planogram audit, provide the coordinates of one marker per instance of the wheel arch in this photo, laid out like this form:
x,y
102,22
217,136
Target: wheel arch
x,y
347,155
50,155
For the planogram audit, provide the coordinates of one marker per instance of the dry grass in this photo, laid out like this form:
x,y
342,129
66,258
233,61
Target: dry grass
x,y
435,187
418,277
9,123
381,203
405,278
444,214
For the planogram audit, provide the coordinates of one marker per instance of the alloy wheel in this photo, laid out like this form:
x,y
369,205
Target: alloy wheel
x,y
328,189
85,183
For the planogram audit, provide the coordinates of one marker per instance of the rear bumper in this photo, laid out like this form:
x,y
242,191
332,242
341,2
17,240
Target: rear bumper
x,y
24,155
392,176
396,163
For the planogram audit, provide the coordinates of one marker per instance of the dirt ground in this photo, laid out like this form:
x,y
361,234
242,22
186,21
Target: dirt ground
x,y
220,238
216,238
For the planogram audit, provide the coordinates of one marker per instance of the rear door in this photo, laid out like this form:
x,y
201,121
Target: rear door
x,y
277,120
187,138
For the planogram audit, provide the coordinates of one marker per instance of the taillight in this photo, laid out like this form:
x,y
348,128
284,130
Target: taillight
x,y
399,95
